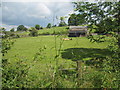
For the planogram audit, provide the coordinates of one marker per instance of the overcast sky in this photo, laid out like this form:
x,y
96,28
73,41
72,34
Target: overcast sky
x,y
32,13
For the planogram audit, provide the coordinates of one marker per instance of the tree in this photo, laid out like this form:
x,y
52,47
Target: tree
x,y
62,24
33,32
54,25
41,27
21,28
62,21
25,29
76,19
37,27
12,30
2,29
49,25
104,17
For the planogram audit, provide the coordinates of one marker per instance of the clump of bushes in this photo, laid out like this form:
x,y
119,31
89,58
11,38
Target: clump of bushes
x,y
6,45
33,32
14,76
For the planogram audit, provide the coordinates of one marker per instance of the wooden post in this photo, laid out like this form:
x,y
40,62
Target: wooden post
x,y
79,72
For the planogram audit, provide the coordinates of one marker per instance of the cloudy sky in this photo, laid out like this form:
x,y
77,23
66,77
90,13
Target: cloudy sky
x,y
30,13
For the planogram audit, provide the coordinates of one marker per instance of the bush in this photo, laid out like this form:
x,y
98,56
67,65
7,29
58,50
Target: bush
x,y
17,36
41,27
6,45
46,33
33,32
14,76
49,25
61,24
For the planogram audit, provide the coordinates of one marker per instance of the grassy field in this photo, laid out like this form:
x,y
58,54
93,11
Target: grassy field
x,y
40,52
46,31
54,30
27,47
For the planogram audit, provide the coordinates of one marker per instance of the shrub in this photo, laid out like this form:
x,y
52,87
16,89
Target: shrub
x,y
49,25
17,36
33,32
14,76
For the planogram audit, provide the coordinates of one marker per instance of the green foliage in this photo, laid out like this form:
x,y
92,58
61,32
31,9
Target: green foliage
x,y
37,27
21,28
40,70
6,45
14,76
12,30
62,22
41,27
54,26
2,29
75,20
9,34
33,32
105,16
17,36
49,25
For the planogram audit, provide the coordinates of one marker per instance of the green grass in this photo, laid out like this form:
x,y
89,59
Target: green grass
x,y
79,48
46,31
27,47
54,30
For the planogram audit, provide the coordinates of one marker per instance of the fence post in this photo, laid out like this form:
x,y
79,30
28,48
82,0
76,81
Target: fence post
x,y
79,72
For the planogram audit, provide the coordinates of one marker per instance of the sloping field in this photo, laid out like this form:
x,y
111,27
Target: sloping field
x,y
41,54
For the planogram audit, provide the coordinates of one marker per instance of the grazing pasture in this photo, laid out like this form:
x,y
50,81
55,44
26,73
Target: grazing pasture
x,y
44,53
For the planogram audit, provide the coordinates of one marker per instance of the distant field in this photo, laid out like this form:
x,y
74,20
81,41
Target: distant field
x,y
54,30
47,31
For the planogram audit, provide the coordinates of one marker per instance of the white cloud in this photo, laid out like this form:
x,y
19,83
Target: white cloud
x,y
40,0
58,0
39,11
29,13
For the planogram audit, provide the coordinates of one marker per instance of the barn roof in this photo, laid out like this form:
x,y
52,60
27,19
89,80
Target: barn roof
x,y
77,27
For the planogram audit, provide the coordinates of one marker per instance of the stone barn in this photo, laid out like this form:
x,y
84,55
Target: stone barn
x,y
77,31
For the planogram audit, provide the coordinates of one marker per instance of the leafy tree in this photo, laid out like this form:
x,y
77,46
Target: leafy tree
x,y
104,17
21,28
41,27
2,29
37,27
54,25
49,25
62,24
12,30
76,19
25,29
62,21
33,32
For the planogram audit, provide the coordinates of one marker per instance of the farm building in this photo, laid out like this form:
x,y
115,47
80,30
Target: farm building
x,y
77,31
